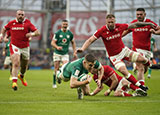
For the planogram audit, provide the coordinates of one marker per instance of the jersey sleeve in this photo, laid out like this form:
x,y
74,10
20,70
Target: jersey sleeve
x,y
8,26
97,34
32,27
75,72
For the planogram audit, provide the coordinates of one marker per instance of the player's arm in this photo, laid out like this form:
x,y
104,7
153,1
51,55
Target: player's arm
x,y
74,83
125,33
53,43
74,48
97,90
4,50
33,34
141,24
87,43
113,84
100,75
3,31
155,31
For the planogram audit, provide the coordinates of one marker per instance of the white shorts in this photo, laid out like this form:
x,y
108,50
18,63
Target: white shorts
x,y
123,54
58,57
145,53
120,85
7,60
25,52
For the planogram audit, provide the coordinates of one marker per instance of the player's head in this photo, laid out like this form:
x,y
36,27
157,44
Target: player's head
x,y
20,15
64,25
140,14
89,61
110,21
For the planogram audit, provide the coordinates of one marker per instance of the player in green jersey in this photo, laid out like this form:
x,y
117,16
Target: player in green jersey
x,y
6,52
74,70
60,42
153,49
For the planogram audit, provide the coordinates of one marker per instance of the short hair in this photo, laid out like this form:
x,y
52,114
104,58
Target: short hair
x,y
110,16
90,58
64,20
140,9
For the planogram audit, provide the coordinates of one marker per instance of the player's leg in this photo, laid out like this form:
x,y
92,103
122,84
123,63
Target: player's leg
x,y
15,58
141,64
56,68
56,59
23,69
25,56
15,69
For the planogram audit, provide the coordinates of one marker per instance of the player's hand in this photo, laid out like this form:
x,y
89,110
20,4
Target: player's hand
x,y
59,48
28,35
1,38
6,40
106,94
152,31
75,55
30,38
91,94
3,53
79,50
98,82
89,78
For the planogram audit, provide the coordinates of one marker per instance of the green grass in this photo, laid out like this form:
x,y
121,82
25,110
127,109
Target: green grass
x,y
40,98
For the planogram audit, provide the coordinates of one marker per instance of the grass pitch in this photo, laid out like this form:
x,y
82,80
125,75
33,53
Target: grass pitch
x,y
40,98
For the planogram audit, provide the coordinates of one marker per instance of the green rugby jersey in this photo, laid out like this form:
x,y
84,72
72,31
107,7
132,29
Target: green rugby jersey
x,y
152,44
63,39
75,68
7,48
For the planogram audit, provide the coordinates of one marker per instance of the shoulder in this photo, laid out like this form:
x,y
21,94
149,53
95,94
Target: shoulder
x,y
58,32
135,20
27,20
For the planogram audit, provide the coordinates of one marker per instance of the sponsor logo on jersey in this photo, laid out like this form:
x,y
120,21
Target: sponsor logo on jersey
x,y
113,36
17,28
141,29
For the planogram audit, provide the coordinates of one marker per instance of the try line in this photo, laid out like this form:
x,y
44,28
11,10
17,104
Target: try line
x,y
78,101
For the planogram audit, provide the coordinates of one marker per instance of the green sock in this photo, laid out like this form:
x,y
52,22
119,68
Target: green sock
x,y
149,71
54,79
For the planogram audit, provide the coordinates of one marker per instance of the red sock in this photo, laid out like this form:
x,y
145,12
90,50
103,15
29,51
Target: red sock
x,y
133,87
132,79
14,80
126,94
141,82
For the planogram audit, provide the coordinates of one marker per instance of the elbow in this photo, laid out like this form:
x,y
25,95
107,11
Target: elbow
x,y
72,86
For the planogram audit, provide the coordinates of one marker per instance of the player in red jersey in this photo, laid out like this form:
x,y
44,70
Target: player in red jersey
x,y
141,42
21,30
119,84
111,34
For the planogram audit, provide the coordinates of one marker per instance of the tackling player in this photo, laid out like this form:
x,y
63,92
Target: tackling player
x,y
21,30
119,84
111,34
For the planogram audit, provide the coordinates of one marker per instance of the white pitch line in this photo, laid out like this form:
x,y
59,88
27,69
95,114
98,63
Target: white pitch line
x,y
79,101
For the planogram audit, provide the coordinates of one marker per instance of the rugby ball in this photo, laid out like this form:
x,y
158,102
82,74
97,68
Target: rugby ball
x,y
82,77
